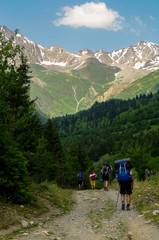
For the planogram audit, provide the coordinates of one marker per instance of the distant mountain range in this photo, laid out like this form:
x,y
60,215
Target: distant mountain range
x,y
66,82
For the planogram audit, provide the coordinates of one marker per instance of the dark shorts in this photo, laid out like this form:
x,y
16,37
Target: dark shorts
x,y
80,182
105,177
126,187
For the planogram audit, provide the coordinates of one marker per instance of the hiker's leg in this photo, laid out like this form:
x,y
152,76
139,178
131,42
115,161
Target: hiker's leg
x,y
128,199
107,179
92,184
106,185
123,198
129,192
122,192
128,202
123,201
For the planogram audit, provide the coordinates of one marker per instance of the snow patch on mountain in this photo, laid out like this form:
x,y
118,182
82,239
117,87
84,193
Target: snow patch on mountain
x,y
76,55
19,35
144,55
139,65
138,53
62,64
153,64
40,46
84,52
155,61
99,54
26,40
79,65
42,53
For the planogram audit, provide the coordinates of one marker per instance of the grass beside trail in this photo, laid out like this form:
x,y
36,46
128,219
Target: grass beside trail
x,y
61,198
146,197
47,195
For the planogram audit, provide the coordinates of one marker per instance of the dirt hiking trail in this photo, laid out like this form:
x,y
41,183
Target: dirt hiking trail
x,y
94,217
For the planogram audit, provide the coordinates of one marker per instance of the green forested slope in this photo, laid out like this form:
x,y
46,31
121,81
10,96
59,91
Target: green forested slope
x,y
119,128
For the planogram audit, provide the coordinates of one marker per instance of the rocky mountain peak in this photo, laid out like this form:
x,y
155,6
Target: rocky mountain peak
x,y
84,52
143,55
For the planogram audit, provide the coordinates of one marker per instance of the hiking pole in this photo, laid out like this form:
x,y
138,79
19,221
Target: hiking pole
x,y
117,200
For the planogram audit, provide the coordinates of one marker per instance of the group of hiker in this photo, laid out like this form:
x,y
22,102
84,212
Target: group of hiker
x,y
123,174
106,169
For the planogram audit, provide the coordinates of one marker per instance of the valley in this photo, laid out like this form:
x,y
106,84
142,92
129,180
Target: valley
x,y
37,157
99,76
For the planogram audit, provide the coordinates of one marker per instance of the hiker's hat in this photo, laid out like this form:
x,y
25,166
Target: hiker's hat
x,y
92,174
105,163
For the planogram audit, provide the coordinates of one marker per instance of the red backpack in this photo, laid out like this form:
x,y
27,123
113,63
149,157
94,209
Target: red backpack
x,y
93,176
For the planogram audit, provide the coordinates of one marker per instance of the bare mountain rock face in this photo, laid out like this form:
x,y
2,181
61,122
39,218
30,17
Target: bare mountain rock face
x,y
144,55
140,56
107,73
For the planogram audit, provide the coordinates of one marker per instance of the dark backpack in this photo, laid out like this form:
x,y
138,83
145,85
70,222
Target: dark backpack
x,y
123,171
80,176
105,169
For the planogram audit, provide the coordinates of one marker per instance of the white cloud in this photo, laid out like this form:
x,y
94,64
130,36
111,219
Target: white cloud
x,y
137,26
152,18
137,32
91,15
139,21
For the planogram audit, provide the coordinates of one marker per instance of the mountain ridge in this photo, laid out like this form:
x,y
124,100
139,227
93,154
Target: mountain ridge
x,y
143,55
66,82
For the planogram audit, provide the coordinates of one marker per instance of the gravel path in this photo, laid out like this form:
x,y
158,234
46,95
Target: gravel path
x,y
94,217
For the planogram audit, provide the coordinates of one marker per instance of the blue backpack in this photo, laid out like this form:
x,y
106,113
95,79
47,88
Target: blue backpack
x,y
123,172
80,176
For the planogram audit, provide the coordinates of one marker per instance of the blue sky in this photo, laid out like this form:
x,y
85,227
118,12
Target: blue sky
x,y
78,24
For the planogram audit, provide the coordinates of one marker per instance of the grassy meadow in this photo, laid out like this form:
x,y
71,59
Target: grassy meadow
x,y
54,88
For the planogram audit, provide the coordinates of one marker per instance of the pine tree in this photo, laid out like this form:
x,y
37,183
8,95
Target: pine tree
x,y
42,165
16,112
56,165
14,181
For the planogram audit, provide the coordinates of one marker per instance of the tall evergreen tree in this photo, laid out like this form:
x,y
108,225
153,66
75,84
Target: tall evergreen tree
x,y
56,166
42,166
16,109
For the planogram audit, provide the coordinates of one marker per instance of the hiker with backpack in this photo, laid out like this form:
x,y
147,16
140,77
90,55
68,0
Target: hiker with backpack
x,y
106,169
125,179
93,178
80,177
